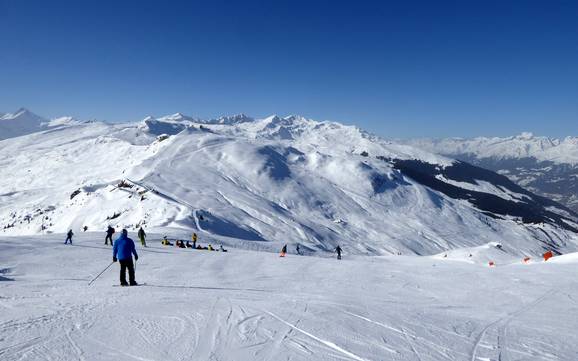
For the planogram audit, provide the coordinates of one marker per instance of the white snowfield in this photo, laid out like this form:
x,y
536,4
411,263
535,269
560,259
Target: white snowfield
x,y
250,183
246,305
525,145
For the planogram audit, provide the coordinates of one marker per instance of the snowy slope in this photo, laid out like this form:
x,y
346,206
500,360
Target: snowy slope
x,y
525,145
20,123
245,305
261,183
546,166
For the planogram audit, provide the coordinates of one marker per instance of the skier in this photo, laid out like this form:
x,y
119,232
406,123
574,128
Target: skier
x,y
69,237
283,251
338,250
194,238
142,235
122,251
297,249
109,233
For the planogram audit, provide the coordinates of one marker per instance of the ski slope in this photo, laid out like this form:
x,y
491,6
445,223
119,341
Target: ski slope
x,y
262,183
246,305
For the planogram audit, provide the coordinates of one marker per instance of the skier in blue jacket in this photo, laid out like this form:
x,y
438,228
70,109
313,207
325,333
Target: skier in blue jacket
x,y
122,251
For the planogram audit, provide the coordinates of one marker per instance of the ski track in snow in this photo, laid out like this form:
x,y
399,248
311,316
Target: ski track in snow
x,y
324,342
502,325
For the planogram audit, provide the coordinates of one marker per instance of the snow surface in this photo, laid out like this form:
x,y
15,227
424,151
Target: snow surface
x,y
19,123
525,145
254,185
246,305
251,183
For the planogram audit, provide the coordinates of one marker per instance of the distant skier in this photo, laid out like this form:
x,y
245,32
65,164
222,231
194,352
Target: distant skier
x,y
142,235
283,251
297,249
85,228
338,250
123,251
194,238
69,237
109,232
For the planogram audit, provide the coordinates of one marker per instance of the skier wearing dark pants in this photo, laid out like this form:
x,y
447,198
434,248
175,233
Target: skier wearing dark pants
x,y
142,235
69,237
338,250
109,233
123,251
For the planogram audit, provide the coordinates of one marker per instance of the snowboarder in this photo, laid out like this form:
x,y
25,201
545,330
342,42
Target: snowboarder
x,y
69,237
142,235
283,251
338,250
194,238
222,249
210,248
109,232
85,228
297,249
123,251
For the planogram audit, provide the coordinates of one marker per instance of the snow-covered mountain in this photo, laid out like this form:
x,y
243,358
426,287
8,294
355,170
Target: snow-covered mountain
x,y
545,166
20,123
261,183
23,122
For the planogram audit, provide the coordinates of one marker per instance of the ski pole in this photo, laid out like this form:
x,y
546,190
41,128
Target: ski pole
x,y
95,278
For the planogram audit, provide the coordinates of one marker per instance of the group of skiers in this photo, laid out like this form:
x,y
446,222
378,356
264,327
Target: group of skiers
x,y
337,250
110,231
124,249
181,244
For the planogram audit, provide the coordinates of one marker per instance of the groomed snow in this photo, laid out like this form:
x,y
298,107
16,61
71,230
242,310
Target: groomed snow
x,y
245,305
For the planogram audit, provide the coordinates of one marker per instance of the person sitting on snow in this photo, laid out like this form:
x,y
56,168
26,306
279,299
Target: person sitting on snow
x,y
165,242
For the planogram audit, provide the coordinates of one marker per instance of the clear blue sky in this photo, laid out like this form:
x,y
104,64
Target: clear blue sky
x,y
399,68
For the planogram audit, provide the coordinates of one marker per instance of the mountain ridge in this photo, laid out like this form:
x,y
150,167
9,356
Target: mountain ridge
x,y
546,166
262,183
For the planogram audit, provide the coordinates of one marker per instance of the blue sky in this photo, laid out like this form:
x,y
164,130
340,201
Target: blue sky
x,y
399,68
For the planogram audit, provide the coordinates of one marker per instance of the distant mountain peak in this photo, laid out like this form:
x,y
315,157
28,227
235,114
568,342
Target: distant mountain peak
x,y
20,114
232,119
178,117
525,135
